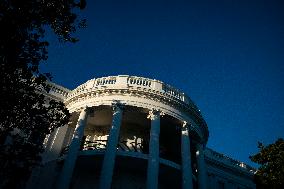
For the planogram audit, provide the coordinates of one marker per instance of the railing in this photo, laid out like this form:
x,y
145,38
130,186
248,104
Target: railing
x,y
116,82
132,82
227,160
56,89
122,146
173,92
100,145
139,81
105,81
131,147
94,145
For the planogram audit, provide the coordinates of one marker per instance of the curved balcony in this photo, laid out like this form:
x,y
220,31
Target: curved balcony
x,y
122,82
139,92
127,152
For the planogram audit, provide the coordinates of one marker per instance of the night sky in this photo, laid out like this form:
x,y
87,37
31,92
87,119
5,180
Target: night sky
x,y
226,55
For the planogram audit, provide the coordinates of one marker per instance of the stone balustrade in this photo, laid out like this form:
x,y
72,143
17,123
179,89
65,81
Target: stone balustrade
x,y
132,82
127,86
139,81
105,81
227,160
58,90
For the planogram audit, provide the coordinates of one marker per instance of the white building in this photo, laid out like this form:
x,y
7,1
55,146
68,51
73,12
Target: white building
x,y
133,132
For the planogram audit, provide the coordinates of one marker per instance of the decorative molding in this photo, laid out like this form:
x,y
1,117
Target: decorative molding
x,y
117,106
152,114
99,91
226,161
184,124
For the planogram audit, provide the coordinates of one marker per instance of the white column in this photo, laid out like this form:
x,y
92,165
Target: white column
x,y
153,160
70,160
56,148
51,139
47,153
201,167
186,158
111,148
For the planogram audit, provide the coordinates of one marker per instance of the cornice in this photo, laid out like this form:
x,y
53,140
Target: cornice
x,y
228,163
133,86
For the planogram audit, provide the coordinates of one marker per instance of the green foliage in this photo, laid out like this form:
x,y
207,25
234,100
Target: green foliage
x,y
25,118
271,160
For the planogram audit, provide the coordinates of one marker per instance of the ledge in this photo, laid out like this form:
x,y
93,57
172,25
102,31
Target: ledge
x,y
131,154
227,161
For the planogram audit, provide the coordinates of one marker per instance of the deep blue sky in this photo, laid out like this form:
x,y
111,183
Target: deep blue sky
x,y
226,55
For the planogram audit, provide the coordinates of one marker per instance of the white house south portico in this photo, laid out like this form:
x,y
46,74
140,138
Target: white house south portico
x,y
133,132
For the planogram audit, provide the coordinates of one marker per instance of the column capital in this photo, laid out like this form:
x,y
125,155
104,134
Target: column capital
x,y
154,113
184,128
186,124
117,106
86,108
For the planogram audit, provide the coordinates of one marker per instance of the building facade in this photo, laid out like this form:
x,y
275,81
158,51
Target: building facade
x,y
133,132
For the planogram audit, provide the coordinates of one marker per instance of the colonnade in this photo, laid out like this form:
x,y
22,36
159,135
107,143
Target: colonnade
x,y
153,157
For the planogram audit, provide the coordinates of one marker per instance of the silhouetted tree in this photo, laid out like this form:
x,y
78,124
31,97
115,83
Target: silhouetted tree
x,y
25,117
270,174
